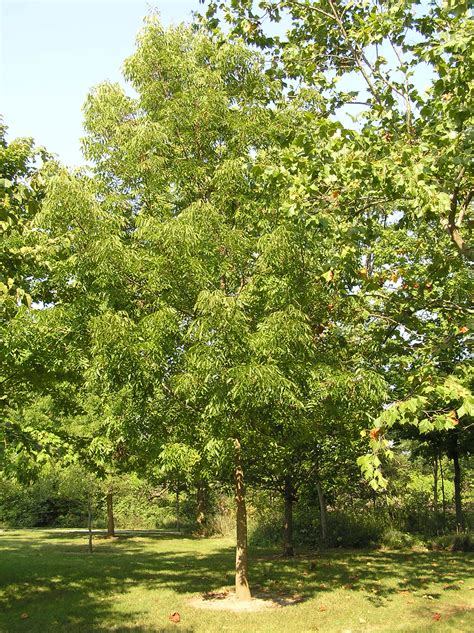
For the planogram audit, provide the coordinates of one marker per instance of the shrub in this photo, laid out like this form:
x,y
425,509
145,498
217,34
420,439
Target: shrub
x,y
354,529
452,542
394,539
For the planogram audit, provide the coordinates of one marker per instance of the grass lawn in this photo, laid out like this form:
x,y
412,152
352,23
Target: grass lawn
x,y
49,583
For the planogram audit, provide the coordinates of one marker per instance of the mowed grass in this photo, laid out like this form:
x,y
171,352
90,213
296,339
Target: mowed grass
x,y
49,583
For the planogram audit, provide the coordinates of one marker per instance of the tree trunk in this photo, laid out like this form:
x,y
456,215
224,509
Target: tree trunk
x,y
110,514
177,510
457,488
435,485
89,523
322,512
242,589
201,499
288,546
443,494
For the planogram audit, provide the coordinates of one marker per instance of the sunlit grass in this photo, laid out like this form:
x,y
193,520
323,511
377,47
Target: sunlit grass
x,y
49,583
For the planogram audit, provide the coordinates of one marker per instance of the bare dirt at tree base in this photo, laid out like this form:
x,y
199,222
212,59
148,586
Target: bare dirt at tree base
x,y
227,601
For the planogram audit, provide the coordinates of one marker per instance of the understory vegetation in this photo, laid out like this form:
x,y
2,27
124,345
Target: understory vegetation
x,y
408,520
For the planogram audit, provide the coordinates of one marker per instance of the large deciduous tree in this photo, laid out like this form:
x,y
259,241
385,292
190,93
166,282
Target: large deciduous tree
x,y
395,183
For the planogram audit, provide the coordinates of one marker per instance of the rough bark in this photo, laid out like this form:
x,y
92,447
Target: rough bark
x,y
322,512
110,514
242,589
289,498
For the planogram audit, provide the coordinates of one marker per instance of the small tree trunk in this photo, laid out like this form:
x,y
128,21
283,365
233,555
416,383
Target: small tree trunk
x,y
201,499
443,494
435,485
89,523
110,514
288,546
457,488
177,510
322,512
242,589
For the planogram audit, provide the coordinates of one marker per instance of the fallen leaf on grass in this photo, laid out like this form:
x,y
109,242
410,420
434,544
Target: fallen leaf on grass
x,y
322,608
24,616
437,617
174,617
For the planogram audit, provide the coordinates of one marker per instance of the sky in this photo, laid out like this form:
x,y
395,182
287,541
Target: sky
x,y
53,52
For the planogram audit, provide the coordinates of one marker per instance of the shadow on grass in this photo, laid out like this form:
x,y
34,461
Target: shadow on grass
x,y
51,577
378,574
56,585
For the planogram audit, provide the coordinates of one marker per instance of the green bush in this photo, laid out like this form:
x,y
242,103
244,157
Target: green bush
x,y
44,503
452,542
394,539
355,529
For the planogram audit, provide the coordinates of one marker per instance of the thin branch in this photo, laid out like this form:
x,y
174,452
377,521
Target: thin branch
x,y
311,7
406,97
452,227
465,207
356,53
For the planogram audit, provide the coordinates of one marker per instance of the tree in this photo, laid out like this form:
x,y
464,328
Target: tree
x,y
32,357
395,185
157,225
444,409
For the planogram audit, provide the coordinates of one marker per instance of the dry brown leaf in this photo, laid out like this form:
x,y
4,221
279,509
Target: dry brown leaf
x,y
174,617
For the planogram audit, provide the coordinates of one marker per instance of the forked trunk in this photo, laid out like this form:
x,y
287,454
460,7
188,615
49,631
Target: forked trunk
x,y
110,514
288,547
242,589
322,512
